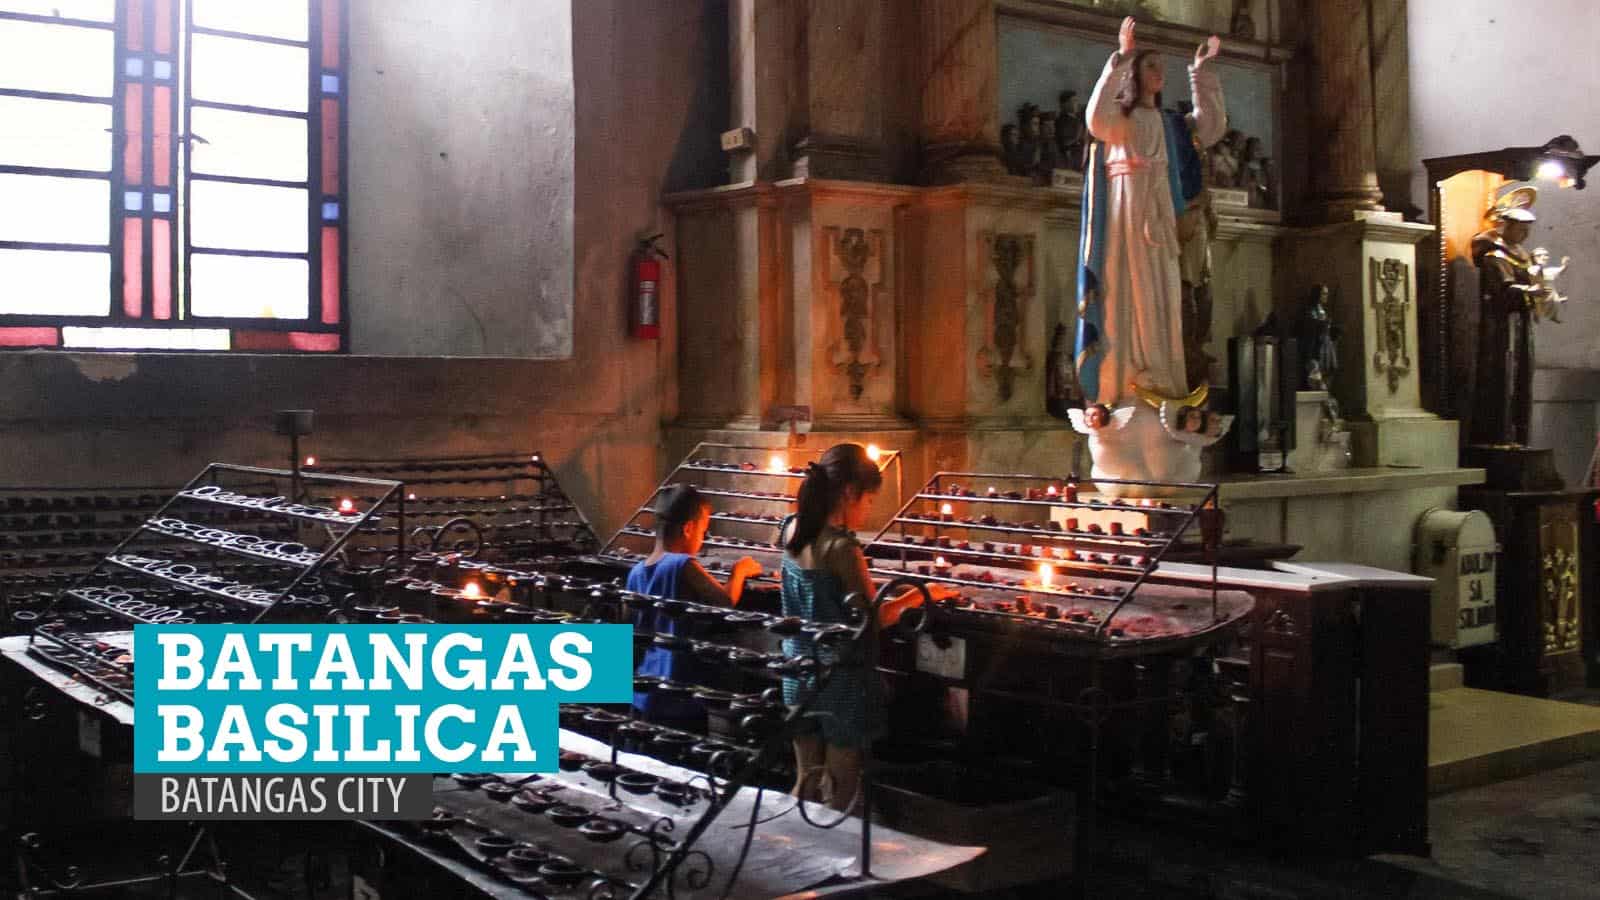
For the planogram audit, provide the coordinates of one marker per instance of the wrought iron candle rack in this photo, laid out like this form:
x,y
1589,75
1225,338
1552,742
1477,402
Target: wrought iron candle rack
x,y
728,762
51,535
759,483
1036,560
1059,572
217,592
529,515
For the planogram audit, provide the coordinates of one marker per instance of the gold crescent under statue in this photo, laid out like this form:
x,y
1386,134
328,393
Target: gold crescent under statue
x,y
1196,397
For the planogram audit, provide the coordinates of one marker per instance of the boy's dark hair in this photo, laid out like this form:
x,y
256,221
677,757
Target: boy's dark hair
x,y
676,507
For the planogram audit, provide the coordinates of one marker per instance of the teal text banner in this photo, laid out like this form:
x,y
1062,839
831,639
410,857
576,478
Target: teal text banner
x,y
312,699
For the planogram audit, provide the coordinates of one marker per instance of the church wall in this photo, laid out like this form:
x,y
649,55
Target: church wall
x,y
647,116
1486,75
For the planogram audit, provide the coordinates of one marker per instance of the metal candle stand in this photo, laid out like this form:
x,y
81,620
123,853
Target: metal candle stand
x,y
730,472
528,515
49,536
224,599
737,767
1048,616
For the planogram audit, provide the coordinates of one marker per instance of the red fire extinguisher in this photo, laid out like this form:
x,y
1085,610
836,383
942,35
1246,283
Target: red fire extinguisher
x,y
647,288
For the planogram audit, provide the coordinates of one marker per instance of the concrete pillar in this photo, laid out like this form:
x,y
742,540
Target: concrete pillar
x,y
1344,167
764,39
959,69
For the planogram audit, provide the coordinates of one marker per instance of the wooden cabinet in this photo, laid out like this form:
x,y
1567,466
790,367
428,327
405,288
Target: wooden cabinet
x,y
1339,673
1546,584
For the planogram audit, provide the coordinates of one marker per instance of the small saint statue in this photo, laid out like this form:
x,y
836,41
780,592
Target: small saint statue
x,y
1549,299
1319,342
1244,24
1070,130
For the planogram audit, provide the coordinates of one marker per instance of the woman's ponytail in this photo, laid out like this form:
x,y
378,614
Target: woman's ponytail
x,y
843,467
815,501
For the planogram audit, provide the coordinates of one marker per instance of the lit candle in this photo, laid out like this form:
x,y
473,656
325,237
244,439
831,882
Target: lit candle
x,y
412,495
992,490
941,565
1051,492
471,591
777,464
873,453
311,460
947,512
347,507
1047,574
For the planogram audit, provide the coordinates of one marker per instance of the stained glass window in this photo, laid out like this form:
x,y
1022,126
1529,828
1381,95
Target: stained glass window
x,y
172,174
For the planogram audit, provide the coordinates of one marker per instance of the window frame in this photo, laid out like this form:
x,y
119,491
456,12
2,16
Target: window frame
x,y
135,299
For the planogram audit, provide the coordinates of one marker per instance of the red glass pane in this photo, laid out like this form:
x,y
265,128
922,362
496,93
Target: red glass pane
x,y
303,341
29,337
330,147
133,267
133,134
330,275
162,11
330,34
161,146
135,24
161,268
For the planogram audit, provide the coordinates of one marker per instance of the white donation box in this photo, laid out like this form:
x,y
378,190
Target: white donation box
x,y
1458,550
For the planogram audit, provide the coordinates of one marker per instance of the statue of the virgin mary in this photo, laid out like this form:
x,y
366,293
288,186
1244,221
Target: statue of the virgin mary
x,y
1144,167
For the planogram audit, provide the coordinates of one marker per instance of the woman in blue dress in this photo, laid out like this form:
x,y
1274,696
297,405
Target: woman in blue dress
x,y
683,516
823,564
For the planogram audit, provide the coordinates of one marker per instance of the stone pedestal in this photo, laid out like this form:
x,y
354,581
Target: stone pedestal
x,y
875,306
995,267
1370,264
791,295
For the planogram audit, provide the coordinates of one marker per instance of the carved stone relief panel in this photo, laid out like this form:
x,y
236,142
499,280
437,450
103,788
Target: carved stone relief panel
x,y
1009,290
1391,297
854,273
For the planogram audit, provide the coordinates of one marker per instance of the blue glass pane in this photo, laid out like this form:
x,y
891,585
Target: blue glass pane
x,y
330,211
330,83
163,69
133,66
132,201
161,202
